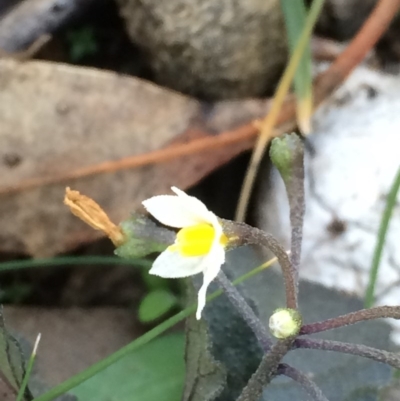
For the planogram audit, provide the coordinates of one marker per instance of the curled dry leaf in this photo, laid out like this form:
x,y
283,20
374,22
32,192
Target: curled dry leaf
x,y
59,119
91,213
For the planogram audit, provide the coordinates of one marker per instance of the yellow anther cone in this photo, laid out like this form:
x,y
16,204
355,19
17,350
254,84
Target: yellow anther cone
x,y
196,240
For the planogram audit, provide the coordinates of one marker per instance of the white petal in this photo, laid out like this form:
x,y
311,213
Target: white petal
x,y
179,211
195,205
172,211
213,263
170,264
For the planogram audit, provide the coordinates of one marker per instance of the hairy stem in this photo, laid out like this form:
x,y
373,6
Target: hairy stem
x,y
287,155
268,241
267,370
295,191
390,358
352,318
243,234
303,380
245,311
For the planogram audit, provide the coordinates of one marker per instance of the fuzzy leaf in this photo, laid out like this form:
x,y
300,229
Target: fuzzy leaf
x,y
231,348
152,373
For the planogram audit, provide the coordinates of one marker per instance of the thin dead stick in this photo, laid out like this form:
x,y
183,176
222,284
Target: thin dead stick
x,y
158,156
325,84
242,134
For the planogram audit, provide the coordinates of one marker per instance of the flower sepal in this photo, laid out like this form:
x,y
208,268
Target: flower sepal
x,y
143,237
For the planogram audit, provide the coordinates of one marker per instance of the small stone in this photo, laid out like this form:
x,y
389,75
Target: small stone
x,y
211,49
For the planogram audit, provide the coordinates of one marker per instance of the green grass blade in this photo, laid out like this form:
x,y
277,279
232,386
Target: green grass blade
x,y
139,342
25,381
268,124
295,15
383,228
70,261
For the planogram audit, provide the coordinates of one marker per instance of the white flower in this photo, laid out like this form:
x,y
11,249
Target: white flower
x,y
199,245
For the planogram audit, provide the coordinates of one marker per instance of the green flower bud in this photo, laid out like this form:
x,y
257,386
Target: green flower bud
x,y
285,323
286,153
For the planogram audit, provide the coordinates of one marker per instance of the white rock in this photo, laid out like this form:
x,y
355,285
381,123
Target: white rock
x,y
351,163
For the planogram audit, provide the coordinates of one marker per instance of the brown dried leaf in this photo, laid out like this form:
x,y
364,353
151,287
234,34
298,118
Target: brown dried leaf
x,y
57,119
91,213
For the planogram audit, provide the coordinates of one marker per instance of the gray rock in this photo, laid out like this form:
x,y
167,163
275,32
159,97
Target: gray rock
x,y
211,49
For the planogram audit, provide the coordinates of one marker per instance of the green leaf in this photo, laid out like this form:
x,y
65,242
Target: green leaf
x,y
12,363
82,43
224,341
139,342
24,385
156,304
13,349
153,373
154,282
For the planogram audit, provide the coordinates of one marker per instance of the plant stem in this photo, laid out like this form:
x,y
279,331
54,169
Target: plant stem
x,y
245,311
267,240
295,192
267,370
308,385
383,228
352,318
390,358
242,234
287,155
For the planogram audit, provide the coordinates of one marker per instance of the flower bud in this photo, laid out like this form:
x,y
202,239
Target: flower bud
x,y
285,323
286,153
